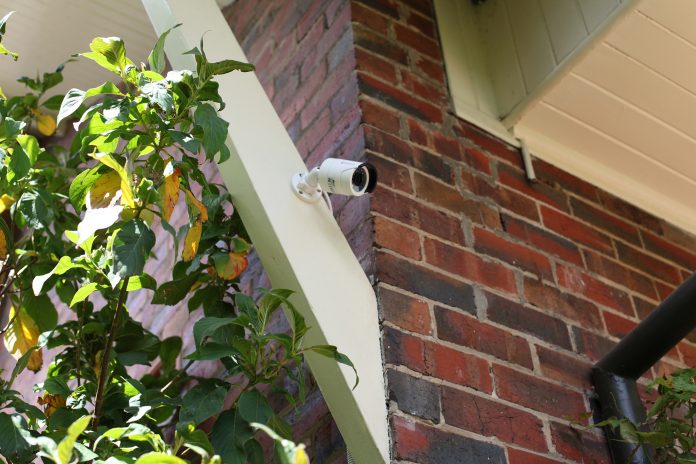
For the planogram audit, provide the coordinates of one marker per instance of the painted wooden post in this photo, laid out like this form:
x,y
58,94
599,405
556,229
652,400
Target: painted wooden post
x,y
300,245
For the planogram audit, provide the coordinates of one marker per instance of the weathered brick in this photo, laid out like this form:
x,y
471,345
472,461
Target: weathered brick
x,y
488,243
567,181
469,265
377,115
552,300
388,7
417,442
417,41
406,210
617,326
369,17
488,142
516,316
662,270
477,160
577,281
393,236
372,64
605,221
537,394
667,250
438,193
425,282
590,344
417,133
515,179
418,86
505,198
492,418
422,23
619,273
564,367
542,239
624,209
576,231
391,174
516,456
407,312
579,445
414,396
399,99
469,332
379,45
430,69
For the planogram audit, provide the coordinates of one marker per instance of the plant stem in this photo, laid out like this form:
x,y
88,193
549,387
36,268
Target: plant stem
x,y
176,377
106,353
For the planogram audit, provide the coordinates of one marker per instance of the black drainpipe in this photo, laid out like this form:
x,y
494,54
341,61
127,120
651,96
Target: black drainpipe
x,y
615,376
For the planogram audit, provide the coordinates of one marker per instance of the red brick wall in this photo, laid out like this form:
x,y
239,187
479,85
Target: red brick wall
x,y
496,295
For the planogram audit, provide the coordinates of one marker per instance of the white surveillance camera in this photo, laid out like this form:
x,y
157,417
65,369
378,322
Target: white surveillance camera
x,y
343,177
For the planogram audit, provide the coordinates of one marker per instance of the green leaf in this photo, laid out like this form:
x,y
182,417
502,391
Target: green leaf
x,y
19,367
226,66
254,408
229,434
3,23
42,310
64,265
169,352
113,52
214,129
84,292
212,351
11,439
132,246
141,281
74,98
20,164
97,219
66,446
30,146
170,293
159,458
331,351
81,185
156,57
201,402
158,94
206,326
37,208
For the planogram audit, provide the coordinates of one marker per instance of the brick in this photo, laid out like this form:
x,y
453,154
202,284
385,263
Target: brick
x,y
528,259
660,269
590,344
552,174
628,211
516,180
423,24
425,282
564,368
577,281
466,331
429,68
387,7
605,221
417,86
477,160
438,193
376,115
414,396
516,456
535,393
395,237
688,353
391,174
339,132
617,326
436,360
372,64
552,300
488,142
677,236
643,307
579,445
665,249
505,198
417,41
369,18
542,239
406,210
469,265
576,231
400,99
516,316
447,146
491,418
619,273
417,133
405,311
317,55
417,442
379,45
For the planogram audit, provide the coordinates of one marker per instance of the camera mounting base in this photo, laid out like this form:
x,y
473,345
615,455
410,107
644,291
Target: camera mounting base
x,y
305,191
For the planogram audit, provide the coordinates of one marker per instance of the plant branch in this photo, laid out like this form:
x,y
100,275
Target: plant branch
x,y
104,365
176,377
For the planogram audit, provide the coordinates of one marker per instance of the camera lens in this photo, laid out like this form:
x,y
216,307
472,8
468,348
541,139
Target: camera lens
x,y
359,179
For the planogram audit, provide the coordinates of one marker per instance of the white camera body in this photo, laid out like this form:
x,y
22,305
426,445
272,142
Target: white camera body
x,y
334,175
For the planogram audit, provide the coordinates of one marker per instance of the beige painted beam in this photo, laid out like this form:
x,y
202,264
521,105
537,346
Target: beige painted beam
x,y
300,245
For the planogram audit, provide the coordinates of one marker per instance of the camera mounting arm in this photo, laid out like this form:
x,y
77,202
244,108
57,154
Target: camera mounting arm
x,y
343,177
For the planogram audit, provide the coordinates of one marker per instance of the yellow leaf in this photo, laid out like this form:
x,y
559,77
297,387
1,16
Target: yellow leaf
x,y
105,191
169,194
235,264
51,403
46,124
5,202
97,362
193,238
197,205
300,455
126,188
22,334
4,239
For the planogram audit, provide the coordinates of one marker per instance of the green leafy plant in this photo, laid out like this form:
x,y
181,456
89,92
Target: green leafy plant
x,y
669,428
78,230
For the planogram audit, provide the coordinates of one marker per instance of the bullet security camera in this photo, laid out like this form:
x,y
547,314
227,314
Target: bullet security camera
x,y
343,177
